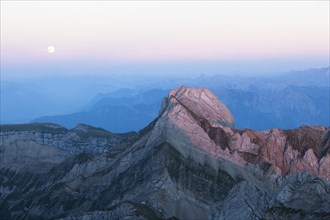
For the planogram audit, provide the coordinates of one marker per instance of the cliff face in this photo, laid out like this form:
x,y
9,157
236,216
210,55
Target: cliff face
x,y
208,125
189,163
284,151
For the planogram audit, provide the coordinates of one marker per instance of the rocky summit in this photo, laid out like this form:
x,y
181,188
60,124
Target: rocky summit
x,y
189,163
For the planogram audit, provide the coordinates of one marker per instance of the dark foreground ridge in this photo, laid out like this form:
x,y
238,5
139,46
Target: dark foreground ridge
x,y
189,163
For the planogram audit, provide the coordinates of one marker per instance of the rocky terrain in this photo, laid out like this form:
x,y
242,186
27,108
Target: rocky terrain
x,y
189,163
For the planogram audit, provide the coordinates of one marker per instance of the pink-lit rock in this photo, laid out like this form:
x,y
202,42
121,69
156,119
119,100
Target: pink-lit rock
x,y
195,118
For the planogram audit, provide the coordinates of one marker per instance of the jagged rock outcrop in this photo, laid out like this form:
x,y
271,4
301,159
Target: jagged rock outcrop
x,y
189,163
243,202
284,151
276,151
203,105
301,196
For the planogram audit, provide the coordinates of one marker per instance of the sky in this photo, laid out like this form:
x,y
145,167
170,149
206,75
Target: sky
x,y
105,37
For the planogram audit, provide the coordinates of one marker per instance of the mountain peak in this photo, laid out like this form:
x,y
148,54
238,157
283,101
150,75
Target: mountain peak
x,y
187,164
195,119
202,103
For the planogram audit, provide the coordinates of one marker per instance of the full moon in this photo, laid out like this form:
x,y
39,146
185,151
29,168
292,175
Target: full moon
x,y
51,49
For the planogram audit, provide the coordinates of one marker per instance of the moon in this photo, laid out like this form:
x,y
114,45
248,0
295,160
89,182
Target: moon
x,y
51,49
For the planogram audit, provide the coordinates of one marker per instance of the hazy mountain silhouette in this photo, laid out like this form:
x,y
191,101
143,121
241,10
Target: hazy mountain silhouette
x,y
285,101
116,111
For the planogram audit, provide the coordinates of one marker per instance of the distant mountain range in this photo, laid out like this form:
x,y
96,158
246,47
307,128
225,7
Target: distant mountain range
x,y
286,108
115,112
188,163
286,101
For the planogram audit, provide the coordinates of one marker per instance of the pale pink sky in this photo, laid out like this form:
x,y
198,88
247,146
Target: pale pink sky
x,y
162,31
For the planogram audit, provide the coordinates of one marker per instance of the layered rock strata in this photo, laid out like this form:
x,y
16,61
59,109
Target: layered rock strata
x,y
189,163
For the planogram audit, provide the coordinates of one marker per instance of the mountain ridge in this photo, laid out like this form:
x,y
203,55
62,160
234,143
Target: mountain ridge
x,y
185,164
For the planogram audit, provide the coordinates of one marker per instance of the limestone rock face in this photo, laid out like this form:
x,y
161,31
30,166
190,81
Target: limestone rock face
x,y
298,187
287,151
301,196
243,202
203,105
195,117
189,163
